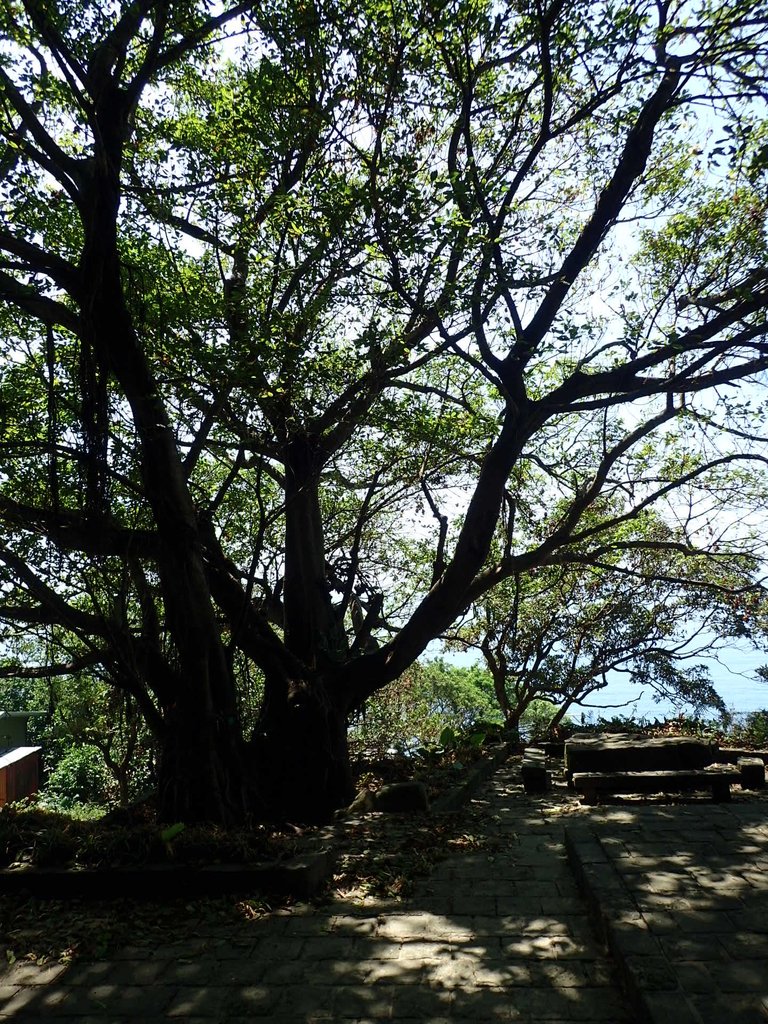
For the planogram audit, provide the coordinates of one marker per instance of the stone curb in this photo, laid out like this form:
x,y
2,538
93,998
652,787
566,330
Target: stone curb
x,y
646,974
330,839
301,876
455,799
448,803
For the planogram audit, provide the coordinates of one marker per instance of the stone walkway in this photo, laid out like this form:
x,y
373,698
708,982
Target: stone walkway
x,y
679,892
496,934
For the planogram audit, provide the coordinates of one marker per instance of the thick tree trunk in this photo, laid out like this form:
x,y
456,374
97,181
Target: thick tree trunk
x,y
512,723
201,771
300,746
313,632
301,753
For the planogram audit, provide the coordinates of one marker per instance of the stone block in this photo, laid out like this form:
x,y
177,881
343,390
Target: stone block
x,y
402,798
534,771
752,772
717,779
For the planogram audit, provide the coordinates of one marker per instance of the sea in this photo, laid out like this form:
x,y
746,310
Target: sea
x,y
733,675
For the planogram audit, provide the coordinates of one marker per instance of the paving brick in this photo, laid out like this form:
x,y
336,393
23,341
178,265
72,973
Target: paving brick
x,y
124,972
349,924
197,973
459,972
558,947
661,922
668,1008
627,939
741,976
278,947
521,924
505,974
598,1005
393,972
704,921
132,1001
426,952
651,973
13,998
733,1009
368,1002
468,903
408,927
301,1002
27,973
549,904
696,976
746,945
192,1001
694,947
490,1004
750,920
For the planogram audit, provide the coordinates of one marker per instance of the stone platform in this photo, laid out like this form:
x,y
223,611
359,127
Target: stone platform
x,y
624,752
680,894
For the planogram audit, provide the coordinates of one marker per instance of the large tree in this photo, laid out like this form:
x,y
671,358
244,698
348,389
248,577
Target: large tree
x,y
273,273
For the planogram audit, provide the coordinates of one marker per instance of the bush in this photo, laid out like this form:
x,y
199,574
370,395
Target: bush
x,y
415,709
80,777
751,730
534,722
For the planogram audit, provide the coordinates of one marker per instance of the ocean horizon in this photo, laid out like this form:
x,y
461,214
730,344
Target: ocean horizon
x,y
733,675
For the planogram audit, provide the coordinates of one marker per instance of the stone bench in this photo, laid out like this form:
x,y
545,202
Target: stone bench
x,y
591,785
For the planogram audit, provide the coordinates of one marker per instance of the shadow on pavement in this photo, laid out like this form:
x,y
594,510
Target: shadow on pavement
x,y
683,892
494,934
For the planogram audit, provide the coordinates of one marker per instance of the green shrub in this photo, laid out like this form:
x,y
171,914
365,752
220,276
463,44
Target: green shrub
x,y
750,730
416,709
80,777
534,722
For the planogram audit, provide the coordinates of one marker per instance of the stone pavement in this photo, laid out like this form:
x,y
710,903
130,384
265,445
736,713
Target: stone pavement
x,y
680,892
499,933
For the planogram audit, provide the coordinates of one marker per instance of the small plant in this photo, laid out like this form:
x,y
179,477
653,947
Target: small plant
x,y
455,745
168,834
54,847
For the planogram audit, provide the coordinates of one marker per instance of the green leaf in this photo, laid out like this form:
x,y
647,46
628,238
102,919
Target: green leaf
x,y
172,831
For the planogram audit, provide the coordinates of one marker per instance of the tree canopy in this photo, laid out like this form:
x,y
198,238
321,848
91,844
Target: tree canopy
x,y
307,307
643,607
